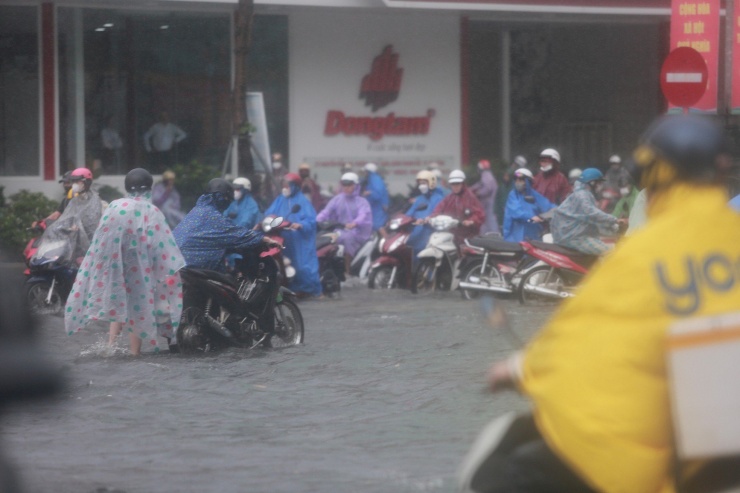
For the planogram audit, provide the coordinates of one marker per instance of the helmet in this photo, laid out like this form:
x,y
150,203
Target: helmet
x,y
456,176
168,175
551,153
590,174
293,178
66,177
371,167
615,159
429,176
350,177
520,161
242,183
138,180
81,174
688,144
347,167
304,166
575,173
523,172
484,164
219,185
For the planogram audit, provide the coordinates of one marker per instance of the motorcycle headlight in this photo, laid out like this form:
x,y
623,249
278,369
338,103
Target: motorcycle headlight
x,y
393,225
267,224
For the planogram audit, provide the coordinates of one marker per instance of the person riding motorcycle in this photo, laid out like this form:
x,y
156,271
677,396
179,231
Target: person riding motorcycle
x,y
244,210
461,204
429,196
578,223
550,181
597,373
524,205
205,236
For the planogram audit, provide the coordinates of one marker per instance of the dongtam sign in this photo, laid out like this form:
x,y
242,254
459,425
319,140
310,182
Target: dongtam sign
x,y
379,88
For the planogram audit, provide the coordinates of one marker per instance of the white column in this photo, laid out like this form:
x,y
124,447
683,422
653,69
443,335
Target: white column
x,y
506,95
78,114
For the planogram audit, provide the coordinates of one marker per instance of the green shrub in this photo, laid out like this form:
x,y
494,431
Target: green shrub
x,y
109,193
191,180
16,216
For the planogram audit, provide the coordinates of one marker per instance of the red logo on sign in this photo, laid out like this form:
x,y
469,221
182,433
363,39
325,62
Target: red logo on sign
x,y
380,87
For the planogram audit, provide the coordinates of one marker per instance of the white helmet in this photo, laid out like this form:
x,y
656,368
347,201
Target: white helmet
x,y
371,167
456,176
575,173
615,159
524,172
351,177
242,183
551,153
429,176
520,161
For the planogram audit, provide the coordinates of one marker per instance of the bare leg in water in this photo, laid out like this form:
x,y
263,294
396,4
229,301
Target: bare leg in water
x,y
134,341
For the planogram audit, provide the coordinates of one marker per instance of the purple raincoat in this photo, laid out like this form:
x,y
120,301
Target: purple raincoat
x,y
485,190
347,209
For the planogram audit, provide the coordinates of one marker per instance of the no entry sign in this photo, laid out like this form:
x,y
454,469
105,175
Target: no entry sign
x,y
683,77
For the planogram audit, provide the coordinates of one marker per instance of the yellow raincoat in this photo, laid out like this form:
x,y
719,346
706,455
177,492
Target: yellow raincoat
x,y
597,371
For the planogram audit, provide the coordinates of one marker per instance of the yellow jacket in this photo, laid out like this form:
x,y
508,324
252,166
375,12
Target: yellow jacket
x,y
597,372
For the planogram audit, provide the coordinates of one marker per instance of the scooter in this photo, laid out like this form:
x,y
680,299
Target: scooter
x,y
437,265
360,264
272,226
331,258
557,279
248,310
393,267
49,279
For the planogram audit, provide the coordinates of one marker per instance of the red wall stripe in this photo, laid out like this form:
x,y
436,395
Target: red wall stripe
x,y
464,92
48,55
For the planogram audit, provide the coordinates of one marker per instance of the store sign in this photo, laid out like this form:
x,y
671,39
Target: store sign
x,y
695,23
379,88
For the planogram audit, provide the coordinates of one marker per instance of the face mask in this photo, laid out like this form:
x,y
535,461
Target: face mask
x,y
423,188
286,192
546,168
277,166
78,187
624,191
237,194
520,186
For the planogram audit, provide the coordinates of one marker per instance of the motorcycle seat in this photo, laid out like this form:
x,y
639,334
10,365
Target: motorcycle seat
x,y
322,241
580,258
493,243
210,274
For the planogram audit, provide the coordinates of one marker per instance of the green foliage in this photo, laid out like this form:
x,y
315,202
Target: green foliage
x,y
191,180
109,193
16,216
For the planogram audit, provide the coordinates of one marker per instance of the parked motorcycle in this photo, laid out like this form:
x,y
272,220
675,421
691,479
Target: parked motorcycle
x,y
49,276
557,279
393,266
251,309
331,257
437,264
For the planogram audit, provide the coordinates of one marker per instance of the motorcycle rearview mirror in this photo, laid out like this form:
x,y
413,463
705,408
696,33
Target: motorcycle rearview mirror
x,y
277,221
295,208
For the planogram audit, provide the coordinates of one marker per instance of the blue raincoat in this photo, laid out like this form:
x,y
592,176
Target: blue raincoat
x,y
205,235
244,212
420,234
518,213
378,198
300,244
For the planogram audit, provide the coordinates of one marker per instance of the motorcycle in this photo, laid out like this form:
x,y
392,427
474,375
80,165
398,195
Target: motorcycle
x,y
49,277
360,264
437,264
393,267
251,309
492,265
331,258
272,226
558,278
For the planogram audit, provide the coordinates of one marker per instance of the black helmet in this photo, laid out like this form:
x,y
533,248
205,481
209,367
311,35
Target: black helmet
x,y
690,144
138,180
222,186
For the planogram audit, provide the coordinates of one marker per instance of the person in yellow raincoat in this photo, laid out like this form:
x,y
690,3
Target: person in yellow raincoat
x,y
596,373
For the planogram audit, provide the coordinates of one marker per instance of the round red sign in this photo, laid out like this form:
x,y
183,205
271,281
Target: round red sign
x,y
683,77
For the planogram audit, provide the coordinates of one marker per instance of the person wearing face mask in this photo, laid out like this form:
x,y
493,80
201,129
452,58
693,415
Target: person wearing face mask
x,y
628,196
485,190
578,223
524,205
617,177
300,239
461,204
278,172
550,181
429,197
166,197
205,235
244,210
375,191
352,210
310,188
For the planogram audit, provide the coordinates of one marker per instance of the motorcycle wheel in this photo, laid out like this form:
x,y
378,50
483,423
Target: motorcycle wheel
x,y
544,277
424,278
192,334
380,278
289,330
36,294
489,276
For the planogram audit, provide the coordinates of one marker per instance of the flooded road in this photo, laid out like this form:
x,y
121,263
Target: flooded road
x,y
385,396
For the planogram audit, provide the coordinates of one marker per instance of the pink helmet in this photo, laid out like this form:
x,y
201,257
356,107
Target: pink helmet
x,y
81,174
484,164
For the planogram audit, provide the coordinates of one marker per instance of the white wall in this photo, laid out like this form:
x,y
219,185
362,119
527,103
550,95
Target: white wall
x,y
331,52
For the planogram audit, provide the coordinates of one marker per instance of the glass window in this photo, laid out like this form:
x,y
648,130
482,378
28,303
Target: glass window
x,y
19,92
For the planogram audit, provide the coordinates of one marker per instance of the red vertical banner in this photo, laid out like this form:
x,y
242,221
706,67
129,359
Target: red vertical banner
x,y
695,23
735,100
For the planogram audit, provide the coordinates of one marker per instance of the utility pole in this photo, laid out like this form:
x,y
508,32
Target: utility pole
x,y
241,129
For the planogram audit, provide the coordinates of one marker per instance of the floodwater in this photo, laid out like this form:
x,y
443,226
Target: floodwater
x,y
385,396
